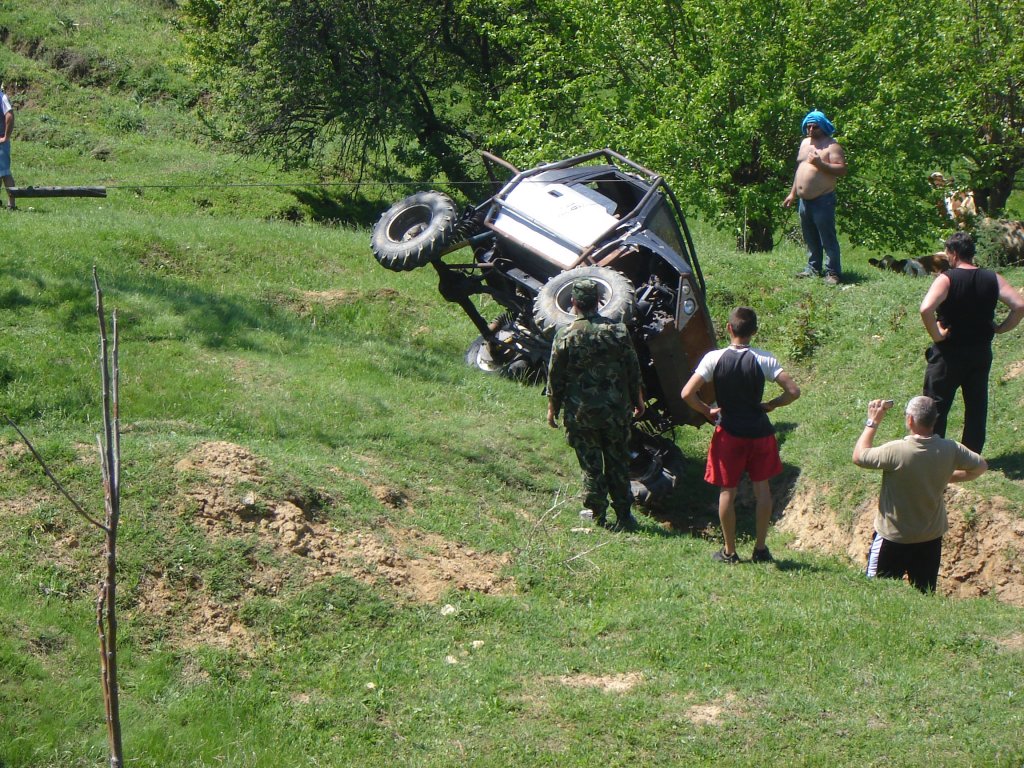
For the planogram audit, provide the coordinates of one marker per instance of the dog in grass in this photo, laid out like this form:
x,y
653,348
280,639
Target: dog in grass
x,y
933,264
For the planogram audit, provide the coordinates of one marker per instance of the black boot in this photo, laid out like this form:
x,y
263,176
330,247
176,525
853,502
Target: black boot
x,y
626,522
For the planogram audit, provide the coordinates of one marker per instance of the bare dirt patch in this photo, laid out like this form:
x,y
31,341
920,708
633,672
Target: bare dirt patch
x,y
11,450
420,566
23,505
305,302
607,683
710,713
223,492
199,619
982,554
1012,643
1013,370
390,497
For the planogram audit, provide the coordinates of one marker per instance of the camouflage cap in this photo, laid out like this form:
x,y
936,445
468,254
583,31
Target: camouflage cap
x,y
586,292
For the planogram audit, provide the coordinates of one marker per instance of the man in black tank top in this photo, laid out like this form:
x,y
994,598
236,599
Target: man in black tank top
x,y
959,313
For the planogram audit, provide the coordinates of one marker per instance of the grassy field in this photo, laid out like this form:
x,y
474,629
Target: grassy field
x,y
278,352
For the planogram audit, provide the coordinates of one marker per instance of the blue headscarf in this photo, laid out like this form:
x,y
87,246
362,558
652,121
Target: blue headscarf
x,y
818,117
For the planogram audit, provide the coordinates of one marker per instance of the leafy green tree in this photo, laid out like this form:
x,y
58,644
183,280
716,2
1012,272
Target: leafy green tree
x,y
986,80
354,84
709,94
889,84
551,97
712,94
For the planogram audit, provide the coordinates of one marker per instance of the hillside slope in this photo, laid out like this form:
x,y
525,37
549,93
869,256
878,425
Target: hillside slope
x,y
341,546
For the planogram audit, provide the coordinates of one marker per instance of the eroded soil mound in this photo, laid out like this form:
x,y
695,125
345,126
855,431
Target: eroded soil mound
x,y
982,554
226,462
222,490
199,619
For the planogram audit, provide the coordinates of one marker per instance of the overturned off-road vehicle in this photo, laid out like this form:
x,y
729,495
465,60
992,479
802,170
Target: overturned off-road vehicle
x,y
600,216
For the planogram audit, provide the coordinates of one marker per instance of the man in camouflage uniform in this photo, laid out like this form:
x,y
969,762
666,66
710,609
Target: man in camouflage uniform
x,y
594,376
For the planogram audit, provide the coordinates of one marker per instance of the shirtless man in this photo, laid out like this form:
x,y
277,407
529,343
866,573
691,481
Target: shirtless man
x,y
820,161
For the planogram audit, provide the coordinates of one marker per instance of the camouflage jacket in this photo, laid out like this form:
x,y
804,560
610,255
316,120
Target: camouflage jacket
x,y
594,373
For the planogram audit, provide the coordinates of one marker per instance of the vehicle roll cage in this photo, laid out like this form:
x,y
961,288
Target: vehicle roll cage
x,y
613,158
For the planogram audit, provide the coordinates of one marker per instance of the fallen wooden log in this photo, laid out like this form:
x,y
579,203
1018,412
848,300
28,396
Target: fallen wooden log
x,y
17,192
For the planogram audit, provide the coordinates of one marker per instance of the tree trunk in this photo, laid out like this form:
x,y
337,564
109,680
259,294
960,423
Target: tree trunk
x,y
997,194
755,237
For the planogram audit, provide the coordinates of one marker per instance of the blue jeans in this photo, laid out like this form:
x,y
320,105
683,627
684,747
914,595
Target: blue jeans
x,y
818,222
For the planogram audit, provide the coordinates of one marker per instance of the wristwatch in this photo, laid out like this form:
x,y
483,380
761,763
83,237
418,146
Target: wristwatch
x,y
870,423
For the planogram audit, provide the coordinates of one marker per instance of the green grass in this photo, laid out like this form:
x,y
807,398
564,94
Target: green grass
x,y
289,340
220,342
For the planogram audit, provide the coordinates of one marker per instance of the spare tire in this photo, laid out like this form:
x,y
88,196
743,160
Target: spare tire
x,y
414,232
553,306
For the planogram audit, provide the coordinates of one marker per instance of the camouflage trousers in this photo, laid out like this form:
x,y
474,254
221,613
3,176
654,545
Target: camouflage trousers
x,y
603,454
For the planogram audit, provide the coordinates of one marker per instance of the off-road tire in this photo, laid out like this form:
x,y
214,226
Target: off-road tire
x,y
519,368
414,232
479,357
553,306
655,470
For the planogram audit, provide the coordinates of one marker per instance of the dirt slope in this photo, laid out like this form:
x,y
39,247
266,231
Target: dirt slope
x,y
982,554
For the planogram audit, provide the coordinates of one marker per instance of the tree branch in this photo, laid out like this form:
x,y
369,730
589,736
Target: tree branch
x,y
54,480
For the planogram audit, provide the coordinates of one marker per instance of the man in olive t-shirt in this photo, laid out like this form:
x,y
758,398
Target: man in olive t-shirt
x,y
911,516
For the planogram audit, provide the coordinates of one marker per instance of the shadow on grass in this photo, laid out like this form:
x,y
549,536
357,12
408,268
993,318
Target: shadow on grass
x,y
692,507
1010,464
348,209
169,309
783,564
853,277
209,318
213,320
782,430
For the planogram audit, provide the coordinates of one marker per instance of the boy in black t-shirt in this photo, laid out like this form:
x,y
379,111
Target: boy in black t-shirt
x,y
744,438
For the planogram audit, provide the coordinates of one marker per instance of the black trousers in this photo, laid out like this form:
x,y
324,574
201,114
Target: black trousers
x,y
965,368
920,562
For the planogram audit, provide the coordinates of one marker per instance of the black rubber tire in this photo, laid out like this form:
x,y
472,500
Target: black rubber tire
x,y
412,233
914,268
479,356
655,470
553,307
518,368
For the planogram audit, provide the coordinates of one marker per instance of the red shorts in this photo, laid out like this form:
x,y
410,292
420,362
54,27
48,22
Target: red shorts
x,y
729,457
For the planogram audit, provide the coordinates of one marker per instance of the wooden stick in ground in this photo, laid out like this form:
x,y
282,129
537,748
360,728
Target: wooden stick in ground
x,y
20,192
104,671
110,461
